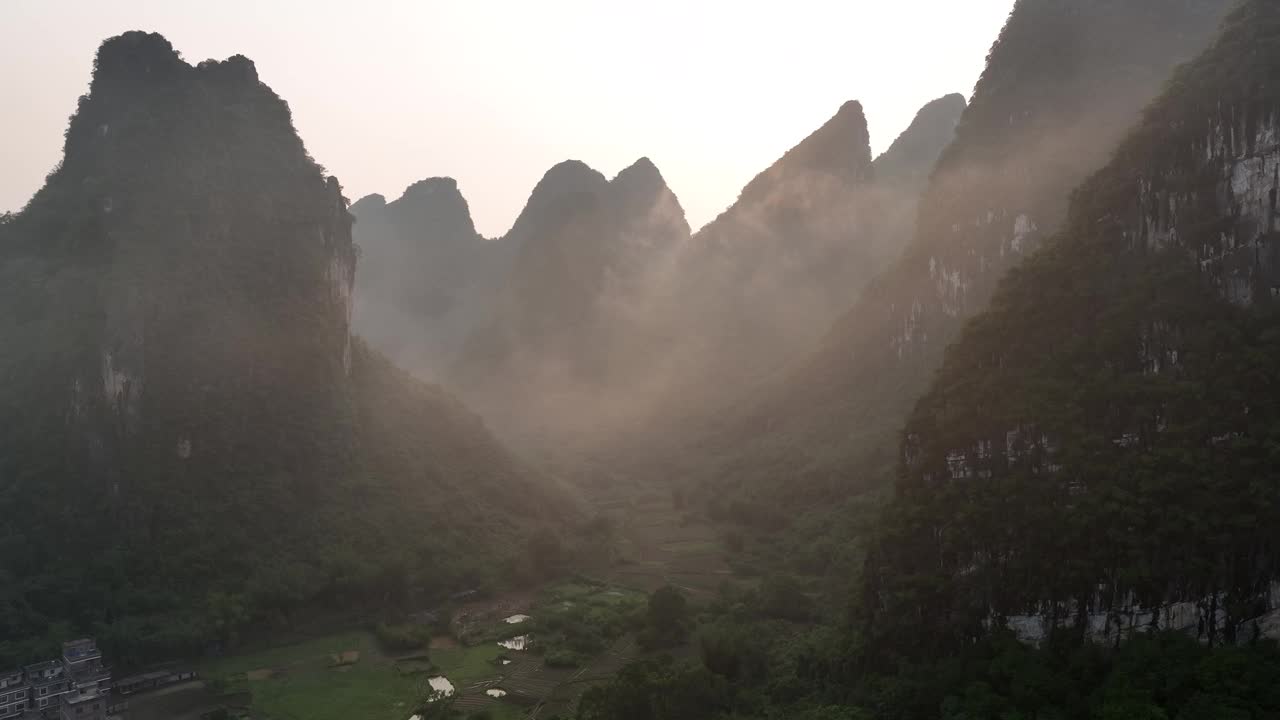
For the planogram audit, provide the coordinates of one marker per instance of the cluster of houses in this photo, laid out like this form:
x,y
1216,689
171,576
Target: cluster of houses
x,y
76,686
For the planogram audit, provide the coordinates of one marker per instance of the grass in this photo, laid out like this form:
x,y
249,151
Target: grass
x,y
287,655
306,687
467,665
372,692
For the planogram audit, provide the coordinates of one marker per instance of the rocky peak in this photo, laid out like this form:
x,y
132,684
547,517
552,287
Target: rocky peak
x,y
911,158
641,177
840,149
436,209
1049,109
563,190
135,58
368,205
642,199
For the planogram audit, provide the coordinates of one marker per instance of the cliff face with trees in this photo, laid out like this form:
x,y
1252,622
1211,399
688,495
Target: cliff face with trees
x,y
1062,84
185,413
1096,452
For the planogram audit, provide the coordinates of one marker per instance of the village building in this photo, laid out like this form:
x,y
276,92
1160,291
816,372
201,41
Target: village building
x,y
76,686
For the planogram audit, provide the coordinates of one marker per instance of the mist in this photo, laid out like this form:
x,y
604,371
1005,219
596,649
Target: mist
x,y
600,314
754,400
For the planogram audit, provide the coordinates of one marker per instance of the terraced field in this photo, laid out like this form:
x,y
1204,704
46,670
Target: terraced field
x,y
663,545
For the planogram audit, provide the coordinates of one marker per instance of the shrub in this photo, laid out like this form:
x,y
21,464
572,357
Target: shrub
x,y
402,637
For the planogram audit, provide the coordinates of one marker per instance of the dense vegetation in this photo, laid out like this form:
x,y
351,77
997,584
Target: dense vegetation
x,y
1063,82
1100,441
191,444
194,449
1158,677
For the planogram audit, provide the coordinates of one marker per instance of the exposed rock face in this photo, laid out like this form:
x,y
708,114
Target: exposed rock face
x,y
179,389
1094,439
1062,84
217,259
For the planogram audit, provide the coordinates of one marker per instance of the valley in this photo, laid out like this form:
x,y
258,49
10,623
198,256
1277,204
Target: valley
x,y
982,423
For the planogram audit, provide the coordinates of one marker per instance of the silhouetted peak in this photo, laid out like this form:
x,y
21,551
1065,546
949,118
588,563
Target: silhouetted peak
x,y
136,56
566,186
434,206
133,47
236,69
946,106
911,158
641,178
641,194
368,204
851,108
569,176
432,186
840,148
843,142
643,167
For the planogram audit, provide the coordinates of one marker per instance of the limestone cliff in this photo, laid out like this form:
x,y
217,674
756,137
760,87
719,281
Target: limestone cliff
x,y
1094,453
1062,84
183,411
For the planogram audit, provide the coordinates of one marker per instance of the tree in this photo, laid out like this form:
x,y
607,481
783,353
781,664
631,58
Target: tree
x,y
667,618
545,550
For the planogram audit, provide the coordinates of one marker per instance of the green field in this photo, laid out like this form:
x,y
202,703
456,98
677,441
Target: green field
x,y
324,679
300,682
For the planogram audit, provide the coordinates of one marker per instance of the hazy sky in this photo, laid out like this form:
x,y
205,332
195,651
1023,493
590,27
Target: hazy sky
x,y
494,92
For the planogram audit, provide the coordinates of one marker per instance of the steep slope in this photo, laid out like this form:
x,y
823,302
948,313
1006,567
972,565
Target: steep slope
x,y
757,286
910,160
1097,449
426,277
561,344
901,177
182,412
771,271
1062,83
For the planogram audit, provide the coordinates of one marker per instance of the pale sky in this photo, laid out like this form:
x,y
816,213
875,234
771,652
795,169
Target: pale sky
x,y
495,92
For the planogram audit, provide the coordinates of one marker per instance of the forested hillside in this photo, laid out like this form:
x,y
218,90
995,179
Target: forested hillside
x,y
1062,84
192,441
1097,451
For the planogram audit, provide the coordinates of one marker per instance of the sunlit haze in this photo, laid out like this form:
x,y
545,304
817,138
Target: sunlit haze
x,y
494,92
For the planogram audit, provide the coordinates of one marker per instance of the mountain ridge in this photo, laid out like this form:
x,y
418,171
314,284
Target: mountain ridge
x,y
835,413
184,412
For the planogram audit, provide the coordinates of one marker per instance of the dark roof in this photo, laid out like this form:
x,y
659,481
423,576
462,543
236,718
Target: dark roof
x,y
146,677
42,666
